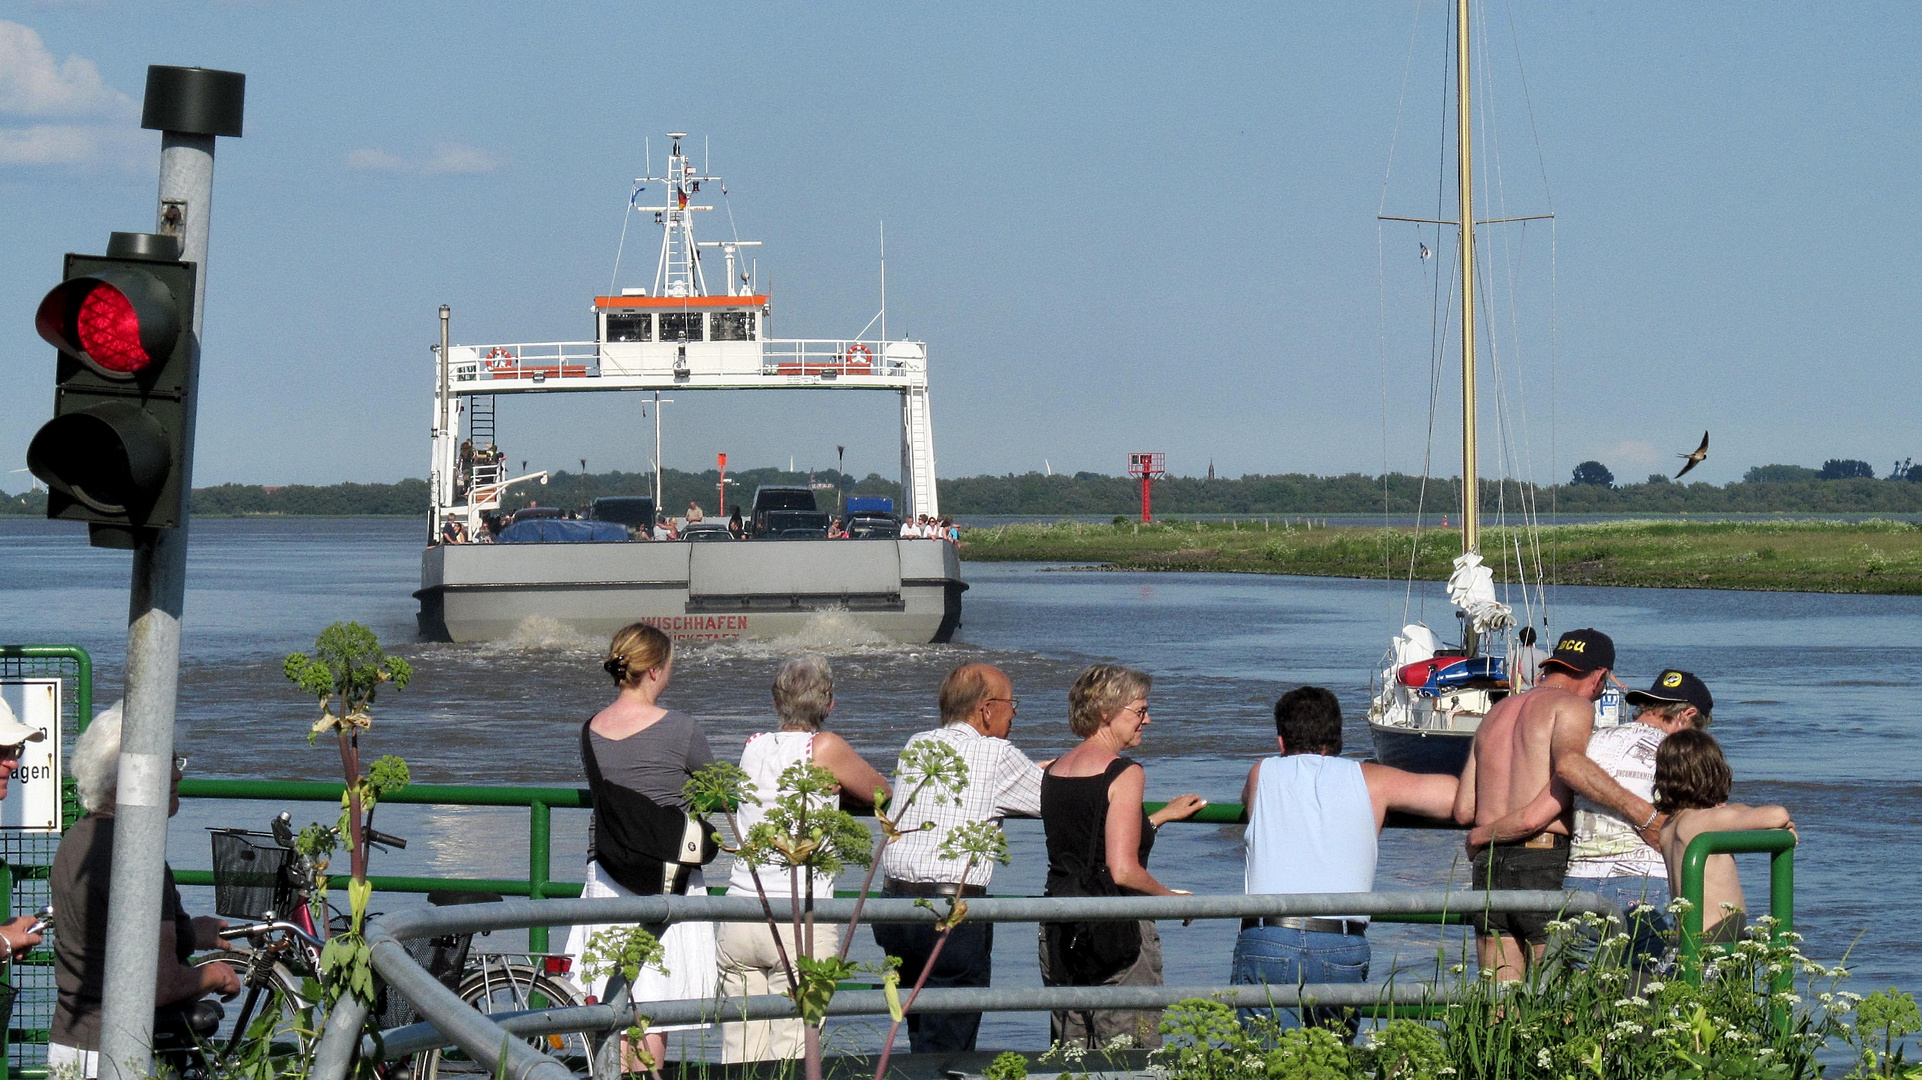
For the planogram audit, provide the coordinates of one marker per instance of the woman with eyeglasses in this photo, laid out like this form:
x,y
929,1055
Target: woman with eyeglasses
x,y
1099,837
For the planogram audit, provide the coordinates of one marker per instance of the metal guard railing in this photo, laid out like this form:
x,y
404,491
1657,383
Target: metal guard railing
x,y
488,1042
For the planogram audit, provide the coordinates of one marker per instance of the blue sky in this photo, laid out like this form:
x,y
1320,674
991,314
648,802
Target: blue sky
x,y
1119,226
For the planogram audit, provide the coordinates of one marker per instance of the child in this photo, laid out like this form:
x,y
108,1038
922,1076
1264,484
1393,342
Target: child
x,y
1692,781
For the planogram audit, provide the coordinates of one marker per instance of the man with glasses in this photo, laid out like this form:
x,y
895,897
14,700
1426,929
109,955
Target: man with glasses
x,y
14,737
977,712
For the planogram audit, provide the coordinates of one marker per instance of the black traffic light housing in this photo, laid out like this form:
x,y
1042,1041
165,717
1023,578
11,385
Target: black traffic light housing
x,y
116,449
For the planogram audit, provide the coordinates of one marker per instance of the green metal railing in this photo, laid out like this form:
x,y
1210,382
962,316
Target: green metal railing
x,y
1779,845
539,802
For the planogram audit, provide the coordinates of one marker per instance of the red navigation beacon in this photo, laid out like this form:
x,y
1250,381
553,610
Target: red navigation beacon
x,y
1149,468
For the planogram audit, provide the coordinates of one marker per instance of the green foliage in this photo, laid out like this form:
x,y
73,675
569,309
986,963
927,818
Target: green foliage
x,y
979,842
345,674
1404,1050
1592,473
346,967
623,951
718,787
801,831
818,981
1007,1066
1886,1017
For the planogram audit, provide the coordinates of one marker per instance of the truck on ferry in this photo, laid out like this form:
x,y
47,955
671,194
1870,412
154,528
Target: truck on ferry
x,y
599,575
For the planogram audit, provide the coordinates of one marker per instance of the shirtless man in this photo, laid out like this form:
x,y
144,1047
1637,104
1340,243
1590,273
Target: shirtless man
x,y
1530,742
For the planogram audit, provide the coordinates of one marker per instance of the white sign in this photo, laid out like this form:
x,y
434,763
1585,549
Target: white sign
x,y
33,793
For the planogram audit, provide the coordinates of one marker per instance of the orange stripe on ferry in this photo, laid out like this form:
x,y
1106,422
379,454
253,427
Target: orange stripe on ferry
x,y
677,302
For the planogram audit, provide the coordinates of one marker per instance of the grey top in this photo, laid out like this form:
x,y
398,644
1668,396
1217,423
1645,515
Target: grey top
x,y
655,761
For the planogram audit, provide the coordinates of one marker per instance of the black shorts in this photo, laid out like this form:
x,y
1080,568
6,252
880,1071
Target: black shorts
x,y
1512,866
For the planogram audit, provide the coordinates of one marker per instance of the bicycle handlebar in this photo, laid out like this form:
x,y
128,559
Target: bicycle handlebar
x,y
375,836
259,929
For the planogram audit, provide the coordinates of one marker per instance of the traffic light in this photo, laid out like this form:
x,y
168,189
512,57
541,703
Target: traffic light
x,y
116,448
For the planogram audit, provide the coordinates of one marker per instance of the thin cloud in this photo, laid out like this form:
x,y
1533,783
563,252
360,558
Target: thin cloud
x,y
446,159
1632,453
33,83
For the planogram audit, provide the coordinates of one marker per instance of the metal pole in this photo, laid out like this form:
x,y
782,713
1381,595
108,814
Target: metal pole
x,y
442,436
539,849
659,494
191,107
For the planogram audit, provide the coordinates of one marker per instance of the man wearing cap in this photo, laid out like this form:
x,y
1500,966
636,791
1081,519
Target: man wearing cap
x,y
14,737
1533,746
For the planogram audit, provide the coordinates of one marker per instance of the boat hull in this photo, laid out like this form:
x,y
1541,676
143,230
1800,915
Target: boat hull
x,y
1421,750
896,590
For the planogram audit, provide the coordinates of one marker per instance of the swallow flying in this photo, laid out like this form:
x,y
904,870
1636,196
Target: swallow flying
x,y
1700,455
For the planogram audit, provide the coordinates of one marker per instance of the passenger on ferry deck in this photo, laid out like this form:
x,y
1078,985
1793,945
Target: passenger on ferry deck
x,y
1314,818
734,526
838,529
1531,744
693,512
948,532
751,963
1099,837
638,756
453,532
977,712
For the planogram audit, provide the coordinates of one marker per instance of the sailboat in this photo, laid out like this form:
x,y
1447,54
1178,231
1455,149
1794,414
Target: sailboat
x,y
1431,697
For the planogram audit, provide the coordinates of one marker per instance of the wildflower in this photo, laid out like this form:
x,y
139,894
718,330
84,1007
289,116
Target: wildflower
x,y
1542,1059
1786,998
1653,987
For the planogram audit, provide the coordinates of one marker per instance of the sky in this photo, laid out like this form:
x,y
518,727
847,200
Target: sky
x,y
1118,226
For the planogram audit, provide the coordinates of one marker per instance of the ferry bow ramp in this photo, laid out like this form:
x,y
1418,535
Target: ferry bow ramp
x,y
759,575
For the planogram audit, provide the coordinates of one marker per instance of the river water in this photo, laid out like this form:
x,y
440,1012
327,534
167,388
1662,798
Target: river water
x,y
1814,704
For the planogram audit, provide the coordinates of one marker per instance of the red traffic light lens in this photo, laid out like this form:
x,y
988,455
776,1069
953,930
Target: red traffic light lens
x,y
109,330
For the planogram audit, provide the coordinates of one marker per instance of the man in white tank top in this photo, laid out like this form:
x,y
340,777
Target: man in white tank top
x,y
1313,819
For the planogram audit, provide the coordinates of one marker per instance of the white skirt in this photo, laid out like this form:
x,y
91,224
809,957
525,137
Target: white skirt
x,y
688,950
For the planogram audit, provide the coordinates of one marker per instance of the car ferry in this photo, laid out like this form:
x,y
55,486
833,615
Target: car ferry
x,y
480,582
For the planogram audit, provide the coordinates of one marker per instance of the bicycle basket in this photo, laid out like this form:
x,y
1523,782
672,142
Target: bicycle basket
x,y
250,874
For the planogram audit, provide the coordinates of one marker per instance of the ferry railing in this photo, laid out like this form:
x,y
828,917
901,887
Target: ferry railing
x,y
535,360
833,358
488,1039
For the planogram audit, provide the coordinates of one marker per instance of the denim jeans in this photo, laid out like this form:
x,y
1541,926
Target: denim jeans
x,y
1277,956
1650,926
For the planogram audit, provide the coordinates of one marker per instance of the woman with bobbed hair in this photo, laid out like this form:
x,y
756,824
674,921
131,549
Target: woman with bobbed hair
x,y
1099,837
750,961
638,755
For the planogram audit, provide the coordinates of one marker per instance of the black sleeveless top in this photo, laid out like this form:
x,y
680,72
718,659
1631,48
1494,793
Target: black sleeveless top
x,y
1074,813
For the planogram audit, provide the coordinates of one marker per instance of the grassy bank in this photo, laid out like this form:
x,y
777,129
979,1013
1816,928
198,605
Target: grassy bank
x,y
1841,557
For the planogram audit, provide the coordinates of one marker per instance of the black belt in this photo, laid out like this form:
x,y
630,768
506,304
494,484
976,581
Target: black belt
x,y
897,887
1351,927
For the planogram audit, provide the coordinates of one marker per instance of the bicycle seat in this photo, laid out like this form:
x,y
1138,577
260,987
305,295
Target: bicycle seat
x,y
454,898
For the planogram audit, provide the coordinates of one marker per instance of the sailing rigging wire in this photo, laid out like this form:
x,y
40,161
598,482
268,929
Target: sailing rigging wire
x,y
627,215
1381,296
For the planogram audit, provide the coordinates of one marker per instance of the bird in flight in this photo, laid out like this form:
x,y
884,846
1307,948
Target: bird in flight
x,y
1700,455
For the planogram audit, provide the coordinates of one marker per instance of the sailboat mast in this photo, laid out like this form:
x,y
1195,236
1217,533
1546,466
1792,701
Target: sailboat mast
x,y
1464,177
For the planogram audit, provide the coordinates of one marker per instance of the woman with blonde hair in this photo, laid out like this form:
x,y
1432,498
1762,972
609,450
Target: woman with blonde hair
x,y
1099,837
751,961
638,755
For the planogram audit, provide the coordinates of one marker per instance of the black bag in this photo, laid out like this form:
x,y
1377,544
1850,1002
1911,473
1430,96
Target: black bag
x,y
636,839
1088,953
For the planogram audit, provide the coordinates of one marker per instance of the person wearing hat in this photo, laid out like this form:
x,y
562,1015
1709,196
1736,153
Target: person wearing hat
x,y
14,737
1528,762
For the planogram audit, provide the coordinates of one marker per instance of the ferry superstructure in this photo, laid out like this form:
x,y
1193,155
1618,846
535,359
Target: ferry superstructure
x,y
676,336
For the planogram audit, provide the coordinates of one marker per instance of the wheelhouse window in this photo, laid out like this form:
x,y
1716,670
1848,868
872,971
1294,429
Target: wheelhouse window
x,y
681,325
732,326
626,326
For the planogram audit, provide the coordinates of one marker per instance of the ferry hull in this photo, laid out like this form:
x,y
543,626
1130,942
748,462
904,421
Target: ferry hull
x,y
900,590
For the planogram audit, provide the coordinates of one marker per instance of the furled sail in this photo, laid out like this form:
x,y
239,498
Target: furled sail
x,y
1472,588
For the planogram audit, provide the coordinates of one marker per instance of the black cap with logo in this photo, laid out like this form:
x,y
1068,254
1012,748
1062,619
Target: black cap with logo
x,y
1674,687
1583,651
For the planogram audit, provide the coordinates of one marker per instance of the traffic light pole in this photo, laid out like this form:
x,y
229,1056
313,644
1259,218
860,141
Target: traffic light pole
x,y
188,98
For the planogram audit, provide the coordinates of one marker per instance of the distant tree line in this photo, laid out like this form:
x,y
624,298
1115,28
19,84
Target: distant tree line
x,y
1840,486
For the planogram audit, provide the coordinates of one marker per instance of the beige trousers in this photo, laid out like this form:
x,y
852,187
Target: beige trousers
x,y
750,966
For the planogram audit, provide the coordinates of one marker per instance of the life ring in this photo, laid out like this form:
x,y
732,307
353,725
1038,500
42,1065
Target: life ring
x,y
867,356
498,358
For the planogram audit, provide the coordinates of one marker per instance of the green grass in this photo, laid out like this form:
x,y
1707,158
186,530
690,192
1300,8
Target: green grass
x,y
1781,556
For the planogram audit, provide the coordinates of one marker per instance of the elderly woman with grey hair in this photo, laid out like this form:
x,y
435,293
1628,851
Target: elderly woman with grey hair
x,y
750,962
81,881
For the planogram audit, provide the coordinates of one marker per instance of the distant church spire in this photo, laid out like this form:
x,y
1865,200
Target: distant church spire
x,y
1211,468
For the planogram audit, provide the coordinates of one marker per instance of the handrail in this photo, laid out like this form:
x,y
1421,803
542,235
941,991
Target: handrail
x,y
1779,845
485,1040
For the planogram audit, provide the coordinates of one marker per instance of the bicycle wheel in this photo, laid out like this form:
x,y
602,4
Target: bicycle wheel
x,y
497,984
283,1020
